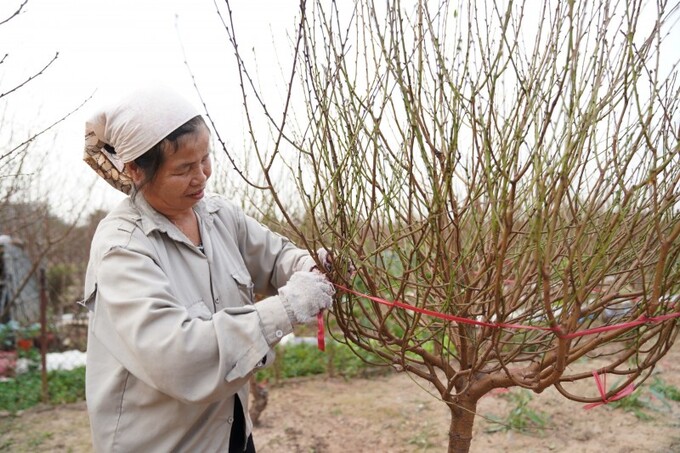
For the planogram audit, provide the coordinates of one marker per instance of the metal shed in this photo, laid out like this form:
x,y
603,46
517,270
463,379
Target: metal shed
x,y
19,289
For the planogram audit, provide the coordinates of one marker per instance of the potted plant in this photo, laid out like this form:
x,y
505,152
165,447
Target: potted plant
x,y
26,334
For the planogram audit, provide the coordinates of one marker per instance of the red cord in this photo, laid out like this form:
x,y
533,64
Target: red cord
x,y
602,388
320,335
558,332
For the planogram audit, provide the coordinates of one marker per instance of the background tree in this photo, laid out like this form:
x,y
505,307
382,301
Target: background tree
x,y
35,209
510,166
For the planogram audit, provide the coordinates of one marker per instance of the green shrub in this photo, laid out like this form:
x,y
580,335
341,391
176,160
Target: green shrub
x,y
521,417
26,390
292,361
306,360
636,403
656,399
662,390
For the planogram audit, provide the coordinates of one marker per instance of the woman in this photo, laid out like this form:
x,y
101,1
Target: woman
x,y
174,335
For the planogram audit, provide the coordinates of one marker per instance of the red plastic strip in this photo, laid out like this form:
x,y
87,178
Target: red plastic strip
x,y
558,332
320,333
602,388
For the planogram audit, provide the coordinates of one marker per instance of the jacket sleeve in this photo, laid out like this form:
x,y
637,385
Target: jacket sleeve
x,y
270,258
151,334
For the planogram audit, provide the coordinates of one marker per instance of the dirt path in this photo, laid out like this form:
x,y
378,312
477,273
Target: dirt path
x,y
393,414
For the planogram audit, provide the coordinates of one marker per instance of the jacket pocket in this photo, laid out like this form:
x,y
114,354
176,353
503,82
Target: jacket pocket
x,y
88,302
245,286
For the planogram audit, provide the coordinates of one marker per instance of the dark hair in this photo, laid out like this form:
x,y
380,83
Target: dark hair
x,y
151,161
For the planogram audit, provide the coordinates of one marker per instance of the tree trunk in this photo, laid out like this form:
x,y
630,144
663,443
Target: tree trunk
x,y
260,398
462,419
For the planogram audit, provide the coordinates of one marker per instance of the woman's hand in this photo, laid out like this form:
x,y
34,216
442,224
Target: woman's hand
x,y
329,265
305,295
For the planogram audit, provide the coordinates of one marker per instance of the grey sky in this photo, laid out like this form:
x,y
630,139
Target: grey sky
x,y
104,44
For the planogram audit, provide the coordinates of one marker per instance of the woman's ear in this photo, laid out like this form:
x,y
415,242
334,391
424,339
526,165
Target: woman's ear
x,y
135,173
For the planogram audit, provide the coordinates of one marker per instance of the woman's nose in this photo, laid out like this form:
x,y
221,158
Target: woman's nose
x,y
200,175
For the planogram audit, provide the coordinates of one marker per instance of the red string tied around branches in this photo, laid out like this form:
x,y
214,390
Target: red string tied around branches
x,y
602,388
630,388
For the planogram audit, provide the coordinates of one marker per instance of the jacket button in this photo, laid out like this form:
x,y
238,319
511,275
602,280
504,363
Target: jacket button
x,y
230,420
279,333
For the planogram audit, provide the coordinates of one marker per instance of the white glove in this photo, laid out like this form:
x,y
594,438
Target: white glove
x,y
305,295
326,258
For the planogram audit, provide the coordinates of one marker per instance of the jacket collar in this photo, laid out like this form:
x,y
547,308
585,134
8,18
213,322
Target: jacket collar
x,y
151,220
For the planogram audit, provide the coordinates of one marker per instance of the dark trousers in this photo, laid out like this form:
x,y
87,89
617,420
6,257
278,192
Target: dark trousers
x,y
237,441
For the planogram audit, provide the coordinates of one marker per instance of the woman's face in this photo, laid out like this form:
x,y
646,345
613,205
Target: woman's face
x,y
181,179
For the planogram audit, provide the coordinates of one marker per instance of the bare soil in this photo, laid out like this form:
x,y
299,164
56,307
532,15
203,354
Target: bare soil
x,y
393,413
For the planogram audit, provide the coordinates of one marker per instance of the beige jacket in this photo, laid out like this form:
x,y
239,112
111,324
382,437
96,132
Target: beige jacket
x,y
174,334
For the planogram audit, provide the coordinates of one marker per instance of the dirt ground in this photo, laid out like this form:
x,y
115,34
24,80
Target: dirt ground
x,y
392,413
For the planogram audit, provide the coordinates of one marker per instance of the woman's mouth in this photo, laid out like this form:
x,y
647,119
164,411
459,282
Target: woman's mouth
x,y
197,195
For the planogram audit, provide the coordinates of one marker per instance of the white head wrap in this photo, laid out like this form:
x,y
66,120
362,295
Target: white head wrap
x,y
132,126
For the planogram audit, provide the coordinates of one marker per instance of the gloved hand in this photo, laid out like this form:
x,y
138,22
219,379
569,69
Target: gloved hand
x,y
326,258
305,295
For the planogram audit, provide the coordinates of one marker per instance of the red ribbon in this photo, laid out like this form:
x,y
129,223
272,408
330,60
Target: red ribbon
x,y
602,388
320,338
643,319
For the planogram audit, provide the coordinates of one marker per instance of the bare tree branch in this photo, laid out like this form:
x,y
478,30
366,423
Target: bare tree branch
x,y
15,14
520,175
22,84
38,134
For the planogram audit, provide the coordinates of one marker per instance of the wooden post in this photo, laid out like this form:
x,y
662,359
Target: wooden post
x,y
43,335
